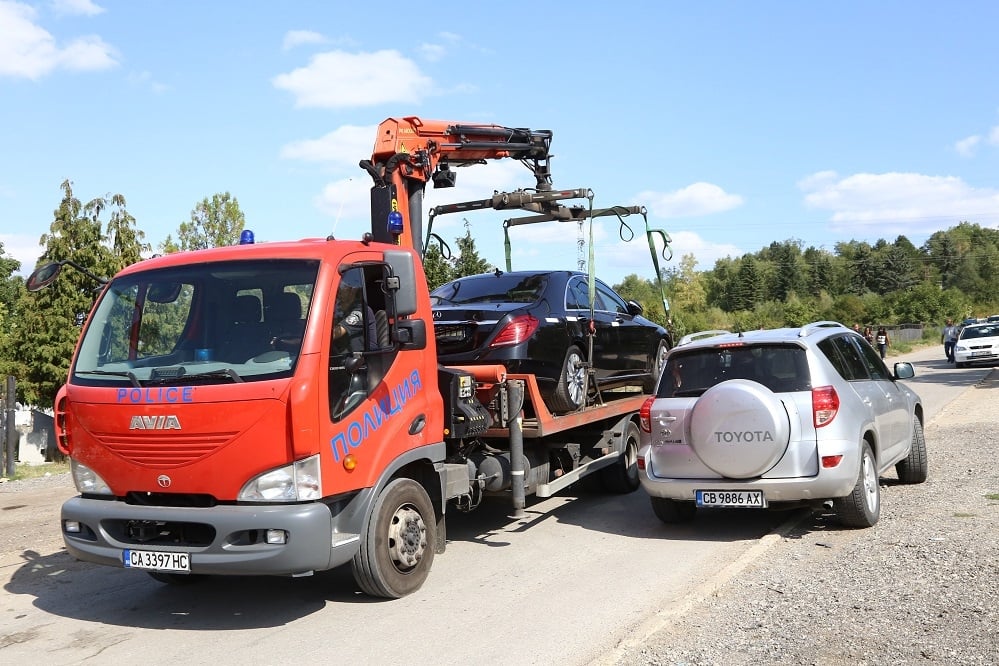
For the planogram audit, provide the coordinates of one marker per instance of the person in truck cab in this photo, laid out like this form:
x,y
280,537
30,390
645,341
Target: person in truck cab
x,y
353,317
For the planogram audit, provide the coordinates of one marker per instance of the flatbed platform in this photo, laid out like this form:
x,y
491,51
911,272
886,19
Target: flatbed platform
x,y
544,423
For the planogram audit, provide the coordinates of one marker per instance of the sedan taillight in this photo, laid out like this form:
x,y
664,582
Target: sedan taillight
x,y
519,328
645,415
825,405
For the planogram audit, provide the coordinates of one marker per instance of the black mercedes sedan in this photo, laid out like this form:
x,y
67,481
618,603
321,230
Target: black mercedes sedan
x,y
542,323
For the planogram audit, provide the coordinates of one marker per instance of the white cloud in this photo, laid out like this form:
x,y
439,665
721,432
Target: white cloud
x,y
24,248
966,146
29,51
336,80
294,38
888,203
76,8
346,145
692,201
432,52
994,136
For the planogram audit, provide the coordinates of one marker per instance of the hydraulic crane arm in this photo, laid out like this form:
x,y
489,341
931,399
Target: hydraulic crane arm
x,y
411,151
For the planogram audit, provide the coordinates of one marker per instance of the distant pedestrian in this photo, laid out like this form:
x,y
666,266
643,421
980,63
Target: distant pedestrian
x,y
869,335
881,338
856,327
949,339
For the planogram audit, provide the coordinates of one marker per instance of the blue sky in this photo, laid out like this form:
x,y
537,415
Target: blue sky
x,y
735,123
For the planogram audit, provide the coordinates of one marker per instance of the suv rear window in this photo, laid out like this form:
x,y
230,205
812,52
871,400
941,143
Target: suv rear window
x,y
781,368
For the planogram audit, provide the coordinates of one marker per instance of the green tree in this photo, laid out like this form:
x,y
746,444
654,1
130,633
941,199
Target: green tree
x,y
436,267
46,335
214,222
468,261
11,287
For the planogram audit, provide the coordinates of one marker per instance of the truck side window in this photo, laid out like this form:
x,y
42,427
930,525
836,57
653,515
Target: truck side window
x,y
355,331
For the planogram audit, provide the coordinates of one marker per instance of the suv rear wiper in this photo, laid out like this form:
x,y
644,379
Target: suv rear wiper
x,y
113,373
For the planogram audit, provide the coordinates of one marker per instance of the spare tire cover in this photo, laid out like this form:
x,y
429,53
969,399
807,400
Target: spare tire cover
x,y
739,429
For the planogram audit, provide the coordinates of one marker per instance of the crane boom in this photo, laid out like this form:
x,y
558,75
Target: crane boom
x,y
411,151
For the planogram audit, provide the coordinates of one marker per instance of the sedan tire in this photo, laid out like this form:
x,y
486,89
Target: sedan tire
x,y
570,392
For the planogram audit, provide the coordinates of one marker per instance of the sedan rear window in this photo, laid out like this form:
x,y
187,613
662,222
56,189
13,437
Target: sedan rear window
x,y
491,288
781,368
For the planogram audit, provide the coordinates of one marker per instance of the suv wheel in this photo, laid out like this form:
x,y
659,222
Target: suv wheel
x,y
914,467
862,507
672,511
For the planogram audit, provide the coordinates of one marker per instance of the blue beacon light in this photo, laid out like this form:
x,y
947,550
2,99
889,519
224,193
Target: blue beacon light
x,y
246,237
395,222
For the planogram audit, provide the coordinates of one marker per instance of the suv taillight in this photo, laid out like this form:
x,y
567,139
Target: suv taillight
x,y
516,331
825,405
645,415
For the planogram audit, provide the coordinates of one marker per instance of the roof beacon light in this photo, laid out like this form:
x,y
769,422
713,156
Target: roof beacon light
x,y
395,223
246,237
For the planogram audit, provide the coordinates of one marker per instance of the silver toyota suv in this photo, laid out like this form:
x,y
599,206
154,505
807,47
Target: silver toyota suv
x,y
779,417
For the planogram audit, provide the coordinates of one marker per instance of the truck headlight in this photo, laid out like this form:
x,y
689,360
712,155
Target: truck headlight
x,y
87,481
297,482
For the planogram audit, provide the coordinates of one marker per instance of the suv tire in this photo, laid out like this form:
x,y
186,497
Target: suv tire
x,y
914,468
862,507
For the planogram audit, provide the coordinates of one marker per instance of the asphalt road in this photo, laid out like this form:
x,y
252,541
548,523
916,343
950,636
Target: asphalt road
x,y
564,585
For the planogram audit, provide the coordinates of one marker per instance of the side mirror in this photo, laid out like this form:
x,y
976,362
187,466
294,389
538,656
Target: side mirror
x,y
411,334
635,308
404,281
904,370
43,276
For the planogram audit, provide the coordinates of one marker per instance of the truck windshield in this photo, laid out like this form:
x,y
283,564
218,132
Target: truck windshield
x,y
201,323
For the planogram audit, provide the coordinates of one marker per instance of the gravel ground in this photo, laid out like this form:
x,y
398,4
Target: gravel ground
x,y
921,586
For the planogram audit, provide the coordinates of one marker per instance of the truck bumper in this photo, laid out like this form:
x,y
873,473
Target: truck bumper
x,y
228,540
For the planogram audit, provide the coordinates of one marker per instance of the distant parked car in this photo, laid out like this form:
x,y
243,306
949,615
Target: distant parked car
x,y
992,318
537,322
978,343
779,417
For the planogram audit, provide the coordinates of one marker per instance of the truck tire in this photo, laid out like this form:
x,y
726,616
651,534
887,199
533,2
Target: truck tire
x,y
862,507
570,392
622,476
397,548
673,511
914,468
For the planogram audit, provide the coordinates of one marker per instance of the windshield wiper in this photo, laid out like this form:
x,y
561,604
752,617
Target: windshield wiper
x,y
113,373
225,372
178,375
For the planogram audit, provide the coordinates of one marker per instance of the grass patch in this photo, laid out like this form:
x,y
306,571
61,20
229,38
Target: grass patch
x,y
993,497
964,515
23,471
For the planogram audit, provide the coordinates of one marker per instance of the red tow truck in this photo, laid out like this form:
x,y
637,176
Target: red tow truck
x,y
220,419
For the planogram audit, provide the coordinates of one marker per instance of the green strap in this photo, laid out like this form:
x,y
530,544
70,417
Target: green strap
x,y
506,245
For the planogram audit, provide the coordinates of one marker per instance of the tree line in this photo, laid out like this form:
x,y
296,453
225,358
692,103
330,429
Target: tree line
x,y
953,274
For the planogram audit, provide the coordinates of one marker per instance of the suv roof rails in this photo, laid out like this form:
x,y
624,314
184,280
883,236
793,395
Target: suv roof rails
x,y
690,337
808,329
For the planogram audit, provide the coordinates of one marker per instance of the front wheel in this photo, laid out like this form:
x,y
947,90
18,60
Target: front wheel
x,y
397,548
914,468
862,507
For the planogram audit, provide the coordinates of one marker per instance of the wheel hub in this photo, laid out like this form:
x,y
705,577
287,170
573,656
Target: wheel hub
x,y
407,538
